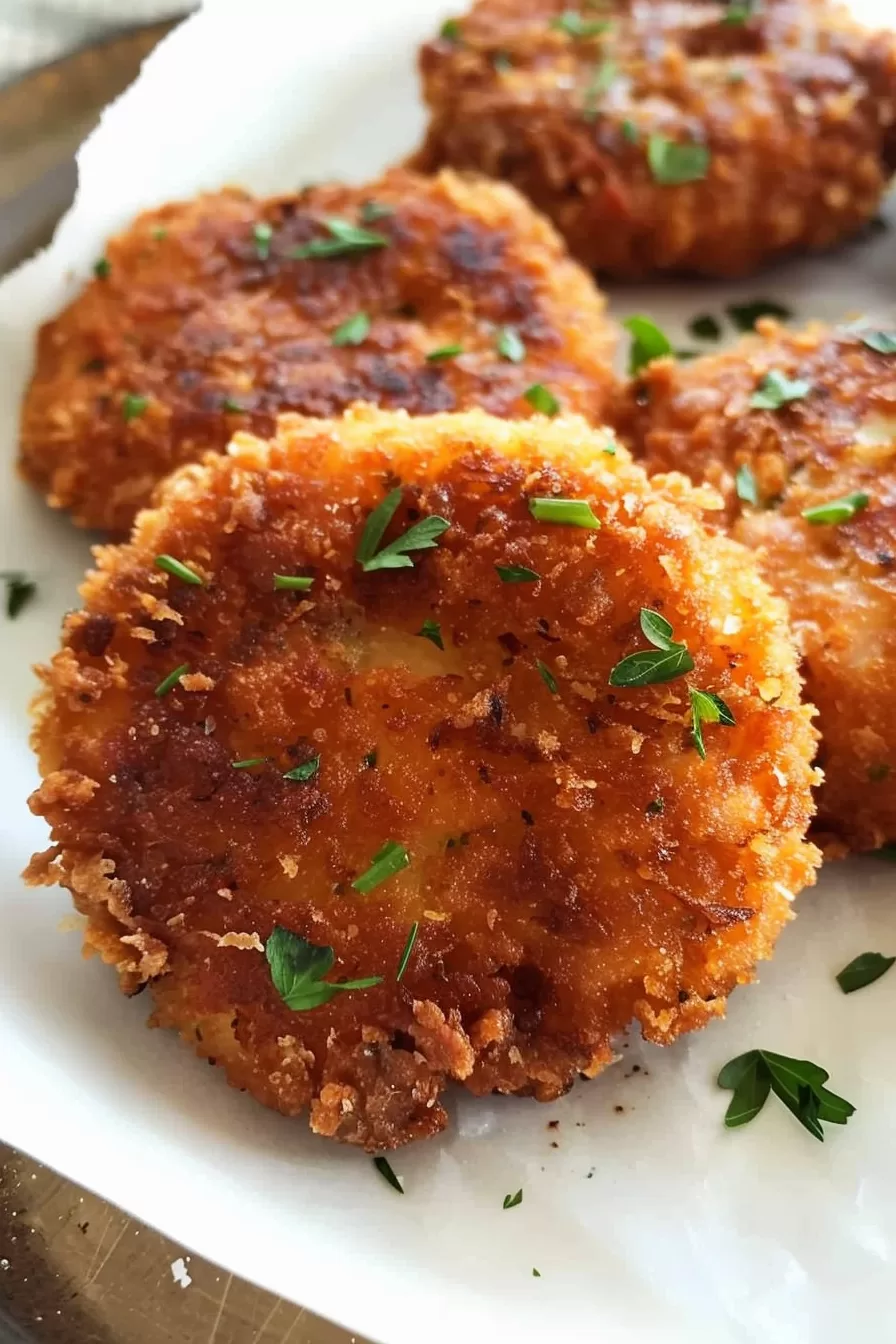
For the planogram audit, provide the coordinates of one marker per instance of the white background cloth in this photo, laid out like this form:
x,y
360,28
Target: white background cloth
x,y
33,32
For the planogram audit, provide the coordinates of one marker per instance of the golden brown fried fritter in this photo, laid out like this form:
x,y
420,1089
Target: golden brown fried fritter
x,y
205,324
784,110
573,863
838,577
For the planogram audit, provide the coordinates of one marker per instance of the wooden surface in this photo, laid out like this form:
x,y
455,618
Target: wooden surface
x,y
73,1269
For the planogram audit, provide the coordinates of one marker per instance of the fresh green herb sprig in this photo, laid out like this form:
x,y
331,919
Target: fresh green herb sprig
x,y
20,590
777,390
667,660
298,969
388,861
648,342
863,970
798,1083
345,240
673,164
837,510
420,536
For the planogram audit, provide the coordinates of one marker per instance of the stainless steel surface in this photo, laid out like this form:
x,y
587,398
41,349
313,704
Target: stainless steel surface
x,y
73,1269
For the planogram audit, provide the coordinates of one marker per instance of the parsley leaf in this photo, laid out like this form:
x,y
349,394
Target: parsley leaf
x,y
511,1201
307,770
102,268
673,164
298,583
777,390
576,26
547,676
178,570
837,510
132,406
517,574
542,399
432,631
419,537
707,708
408,949
744,316
298,969
648,342
798,1083
649,668
739,11
384,1168
385,864
19,592
601,82
450,30
746,485
444,352
884,342
705,327
353,331
863,970
509,345
371,211
630,132
345,239
572,512
262,234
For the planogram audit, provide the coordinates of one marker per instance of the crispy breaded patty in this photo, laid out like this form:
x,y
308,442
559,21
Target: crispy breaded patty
x,y
690,137
836,440
436,745
202,322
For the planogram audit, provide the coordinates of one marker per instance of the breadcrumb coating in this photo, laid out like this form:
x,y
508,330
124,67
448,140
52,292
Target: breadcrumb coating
x,y
785,109
201,323
573,864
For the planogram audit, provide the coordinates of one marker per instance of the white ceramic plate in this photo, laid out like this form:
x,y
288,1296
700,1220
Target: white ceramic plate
x,y
649,1223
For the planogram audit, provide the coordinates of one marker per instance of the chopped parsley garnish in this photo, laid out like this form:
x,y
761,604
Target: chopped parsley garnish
x,y
542,399
739,11
408,949
536,1273
777,390
509,345
168,683
575,25
746,485
385,1170
648,342
674,164
600,83
385,864
798,1083
262,234
517,574
444,352
132,406
649,668
19,592
371,211
630,132
370,760
705,327
231,405
745,315
863,970
344,240
450,30
178,569
297,583
837,510
248,764
547,676
102,268
419,537
706,708
160,233
656,807
569,512
352,331
432,631
302,773
502,62
511,1201
298,969
883,342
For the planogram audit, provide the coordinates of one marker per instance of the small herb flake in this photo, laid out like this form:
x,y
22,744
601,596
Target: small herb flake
x,y
517,574
739,12
648,342
178,570
502,62
706,708
444,352
877,773
648,668
576,26
232,406
568,512
388,861
298,968
132,406
420,536
345,239
450,31
371,211
292,583
656,807
863,970
370,760
542,399
168,683
160,233
600,83
883,342
302,773
675,164
509,345
746,485
511,1201
408,949
353,331
744,316
432,631
777,390
630,132
19,592
384,1168
837,510
102,268
705,327
536,1273
249,763
262,234
547,676
798,1083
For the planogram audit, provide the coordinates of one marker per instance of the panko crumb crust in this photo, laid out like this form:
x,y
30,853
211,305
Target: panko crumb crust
x,y
200,323
793,100
574,864
839,579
